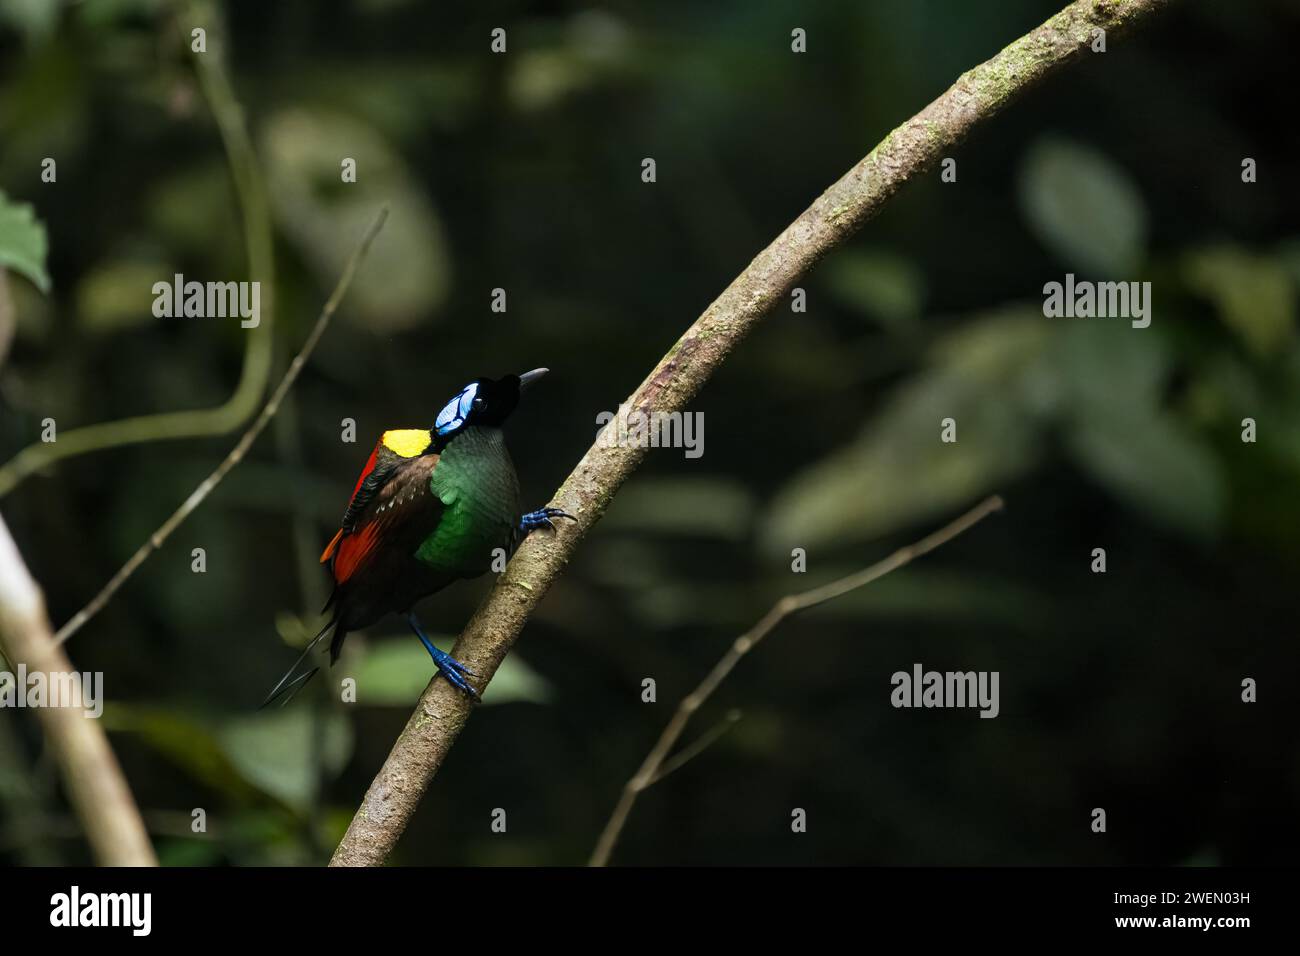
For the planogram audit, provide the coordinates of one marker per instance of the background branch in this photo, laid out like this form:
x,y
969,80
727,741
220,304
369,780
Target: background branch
x,y
237,453
95,785
253,377
653,768
907,151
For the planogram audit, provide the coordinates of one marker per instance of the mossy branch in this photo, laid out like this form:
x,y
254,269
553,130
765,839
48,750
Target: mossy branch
x,y
905,153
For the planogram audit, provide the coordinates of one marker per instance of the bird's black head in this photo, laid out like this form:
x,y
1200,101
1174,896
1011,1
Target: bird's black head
x,y
484,402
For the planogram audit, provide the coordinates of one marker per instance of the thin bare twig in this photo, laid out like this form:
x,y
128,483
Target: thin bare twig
x,y
689,753
652,768
94,781
237,453
908,151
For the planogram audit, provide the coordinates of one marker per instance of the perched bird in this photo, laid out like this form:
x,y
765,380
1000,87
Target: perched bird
x,y
431,506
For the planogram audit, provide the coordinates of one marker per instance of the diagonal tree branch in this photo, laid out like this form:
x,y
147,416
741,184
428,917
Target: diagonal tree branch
x,y
905,153
94,781
656,765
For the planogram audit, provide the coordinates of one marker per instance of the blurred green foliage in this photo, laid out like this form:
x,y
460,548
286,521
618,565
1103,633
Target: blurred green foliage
x,y
521,172
23,242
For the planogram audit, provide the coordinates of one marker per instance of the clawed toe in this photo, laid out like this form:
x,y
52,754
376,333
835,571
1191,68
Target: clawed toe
x,y
541,518
455,672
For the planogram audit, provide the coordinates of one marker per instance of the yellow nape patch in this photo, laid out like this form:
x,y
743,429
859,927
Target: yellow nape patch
x,y
407,442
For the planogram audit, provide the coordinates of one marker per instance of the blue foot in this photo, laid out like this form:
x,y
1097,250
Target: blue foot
x,y
541,518
448,666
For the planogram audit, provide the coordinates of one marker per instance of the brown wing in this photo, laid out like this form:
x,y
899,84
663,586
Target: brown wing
x,y
391,450
399,499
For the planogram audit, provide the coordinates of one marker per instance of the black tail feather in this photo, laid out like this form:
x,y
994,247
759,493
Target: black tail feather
x,y
336,644
289,683
291,689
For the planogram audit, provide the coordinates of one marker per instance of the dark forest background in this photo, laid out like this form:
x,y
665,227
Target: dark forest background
x,y
522,171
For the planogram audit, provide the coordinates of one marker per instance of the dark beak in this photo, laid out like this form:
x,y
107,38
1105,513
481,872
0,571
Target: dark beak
x,y
528,378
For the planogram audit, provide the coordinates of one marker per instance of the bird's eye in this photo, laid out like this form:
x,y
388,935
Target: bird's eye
x,y
478,403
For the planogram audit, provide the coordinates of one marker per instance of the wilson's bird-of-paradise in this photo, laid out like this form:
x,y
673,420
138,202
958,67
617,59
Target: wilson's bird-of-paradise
x,y
431,506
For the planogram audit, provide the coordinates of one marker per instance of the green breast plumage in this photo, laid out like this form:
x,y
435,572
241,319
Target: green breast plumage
x,y
476,482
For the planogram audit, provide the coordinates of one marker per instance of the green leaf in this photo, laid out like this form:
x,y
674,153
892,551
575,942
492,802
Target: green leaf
x,y
395,671
1254,295
185,741
118,295
408,273
255,759
1109,368
1084,208
36,19
898,472
1112,379
1150,461
544,78
274,749
887,287
23,244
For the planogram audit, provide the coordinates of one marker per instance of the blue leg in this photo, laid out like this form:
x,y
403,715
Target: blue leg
x,y
541,518
448,666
